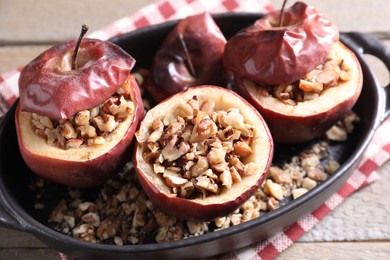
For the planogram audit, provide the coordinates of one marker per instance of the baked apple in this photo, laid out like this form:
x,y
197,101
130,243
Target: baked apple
x,y
191,55
75,121
200,156
299,76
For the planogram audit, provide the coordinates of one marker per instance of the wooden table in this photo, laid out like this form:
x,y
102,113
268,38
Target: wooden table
x,y
358,228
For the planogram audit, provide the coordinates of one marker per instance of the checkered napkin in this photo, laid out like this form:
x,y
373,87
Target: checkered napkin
x,y
377,153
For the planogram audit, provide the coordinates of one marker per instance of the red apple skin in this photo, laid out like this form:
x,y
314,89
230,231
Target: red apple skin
x,y
189,209
205,43
281,55
90,172
294,129
48,86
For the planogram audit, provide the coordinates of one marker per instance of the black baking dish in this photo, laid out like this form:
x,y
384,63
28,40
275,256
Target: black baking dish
x,y
16,202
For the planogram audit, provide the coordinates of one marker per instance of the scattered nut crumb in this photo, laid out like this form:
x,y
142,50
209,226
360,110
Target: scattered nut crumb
x,y
296,193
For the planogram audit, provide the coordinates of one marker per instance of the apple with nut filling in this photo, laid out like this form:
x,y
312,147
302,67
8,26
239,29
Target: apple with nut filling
x,y
292,67
200,156
78,111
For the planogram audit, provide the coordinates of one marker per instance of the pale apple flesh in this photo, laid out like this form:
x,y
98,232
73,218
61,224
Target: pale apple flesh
x,y
229,199
309,119
85,166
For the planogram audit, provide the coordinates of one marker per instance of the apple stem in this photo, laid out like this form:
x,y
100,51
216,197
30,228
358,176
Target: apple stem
x,y
282,13
84,29
187,54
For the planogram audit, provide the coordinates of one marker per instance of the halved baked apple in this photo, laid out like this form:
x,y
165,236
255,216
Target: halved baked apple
x,y
201,153
307,108
75,124
291,66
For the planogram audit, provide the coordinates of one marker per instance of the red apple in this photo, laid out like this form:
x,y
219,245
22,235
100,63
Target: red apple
x,y
309,119
190,55
49,87
191,151
271,53
292,68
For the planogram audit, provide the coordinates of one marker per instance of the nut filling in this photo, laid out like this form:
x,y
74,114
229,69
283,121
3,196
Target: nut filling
x,y
312,85
87,127
199,150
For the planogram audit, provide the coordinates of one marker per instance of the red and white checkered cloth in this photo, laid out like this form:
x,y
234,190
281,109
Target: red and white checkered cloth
x,y
377,153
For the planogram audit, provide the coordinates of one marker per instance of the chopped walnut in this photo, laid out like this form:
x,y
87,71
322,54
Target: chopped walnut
x,y
337,133
42,122
226,179
217,154
296,193
279,176
242,149
204,145
273,189
317,174
57,215
67,130
73,143
272,203
332,166
309,183
82,118
91,218
197,227
85,232
340,131
87,127
312,85
106,229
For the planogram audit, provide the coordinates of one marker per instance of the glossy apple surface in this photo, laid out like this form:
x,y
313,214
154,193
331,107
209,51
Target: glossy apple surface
x,y
85,166
309,119
213,205
175,69
271,54
48,85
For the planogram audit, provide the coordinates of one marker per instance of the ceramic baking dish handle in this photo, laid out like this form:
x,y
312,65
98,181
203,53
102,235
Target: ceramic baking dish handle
x,y
7,219
10,222
372,45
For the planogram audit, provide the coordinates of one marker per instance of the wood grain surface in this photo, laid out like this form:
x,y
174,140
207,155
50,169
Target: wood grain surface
x,y
358,229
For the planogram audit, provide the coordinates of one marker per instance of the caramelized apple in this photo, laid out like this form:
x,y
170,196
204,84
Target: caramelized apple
x,y
200,156
190,55
297,74
75,125
273,53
